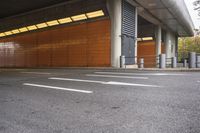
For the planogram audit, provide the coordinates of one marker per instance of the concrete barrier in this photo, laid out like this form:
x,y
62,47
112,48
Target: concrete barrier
x,y
162,59
192,60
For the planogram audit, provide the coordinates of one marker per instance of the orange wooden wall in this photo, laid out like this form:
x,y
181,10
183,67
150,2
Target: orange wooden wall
x,y
82,45
147,50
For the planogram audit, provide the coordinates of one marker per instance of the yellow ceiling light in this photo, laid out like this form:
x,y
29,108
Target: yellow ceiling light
x,y
7,33
139,39
79,17
24,29
147,38
95,14
16,31
64,20
41,25
32,27
2,34
52,23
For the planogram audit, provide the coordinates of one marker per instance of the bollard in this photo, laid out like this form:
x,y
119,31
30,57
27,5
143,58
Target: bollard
x,y
192,60
122,61
162,59
198,61
141,65
184,63
174,62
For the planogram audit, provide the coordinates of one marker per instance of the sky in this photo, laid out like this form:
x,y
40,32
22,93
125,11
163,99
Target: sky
x,y
193,13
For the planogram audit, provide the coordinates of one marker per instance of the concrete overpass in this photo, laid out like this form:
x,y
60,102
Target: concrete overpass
x,y
90,33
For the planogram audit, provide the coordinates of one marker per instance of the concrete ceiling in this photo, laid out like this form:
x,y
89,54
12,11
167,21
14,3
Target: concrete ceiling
x,y
171,14
15,7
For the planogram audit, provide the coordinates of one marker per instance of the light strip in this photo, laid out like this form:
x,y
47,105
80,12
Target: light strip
x,y
64,20
2,35
139,39
52,23
95,14
16,31
24,29
79,17
147,38
7,33
41,25
32,27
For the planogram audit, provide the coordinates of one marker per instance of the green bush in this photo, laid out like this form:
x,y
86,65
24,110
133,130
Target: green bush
x,y
186,45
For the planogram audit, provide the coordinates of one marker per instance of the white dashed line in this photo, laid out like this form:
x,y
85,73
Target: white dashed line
x,y
114,76
143,74
198,81
130,84
57,88
36,73
105,83
78,80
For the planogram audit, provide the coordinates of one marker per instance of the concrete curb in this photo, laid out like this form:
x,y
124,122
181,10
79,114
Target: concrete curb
x,y
108,68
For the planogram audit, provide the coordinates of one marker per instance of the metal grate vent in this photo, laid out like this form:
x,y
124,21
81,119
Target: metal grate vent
x,y
128,19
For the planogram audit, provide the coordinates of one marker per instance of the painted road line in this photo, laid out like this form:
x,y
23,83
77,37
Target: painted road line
x,y
105,83
57,88
78,80
198,81
130,84
114,76
40,73
141,74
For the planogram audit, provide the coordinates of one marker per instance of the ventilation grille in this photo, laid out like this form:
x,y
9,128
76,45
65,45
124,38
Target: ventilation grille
x,y
128,19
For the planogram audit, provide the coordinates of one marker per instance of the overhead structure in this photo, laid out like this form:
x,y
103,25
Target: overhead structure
x,y
88,33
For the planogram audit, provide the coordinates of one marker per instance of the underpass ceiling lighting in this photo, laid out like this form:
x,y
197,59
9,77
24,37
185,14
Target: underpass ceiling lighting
x,y
32,27
79,17
41,25
147,38
7,33
24,29
16,31
52,23
2,34
65,20
95,14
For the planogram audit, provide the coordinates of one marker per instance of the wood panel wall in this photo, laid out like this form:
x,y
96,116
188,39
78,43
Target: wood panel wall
x,y
82,45
147,50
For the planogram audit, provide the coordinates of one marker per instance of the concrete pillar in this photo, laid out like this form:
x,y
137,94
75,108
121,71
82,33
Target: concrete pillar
x,y
158,34
115,11
158,40
168,44
136,34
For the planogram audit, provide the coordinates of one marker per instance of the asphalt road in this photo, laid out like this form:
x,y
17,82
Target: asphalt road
x,y
99,101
